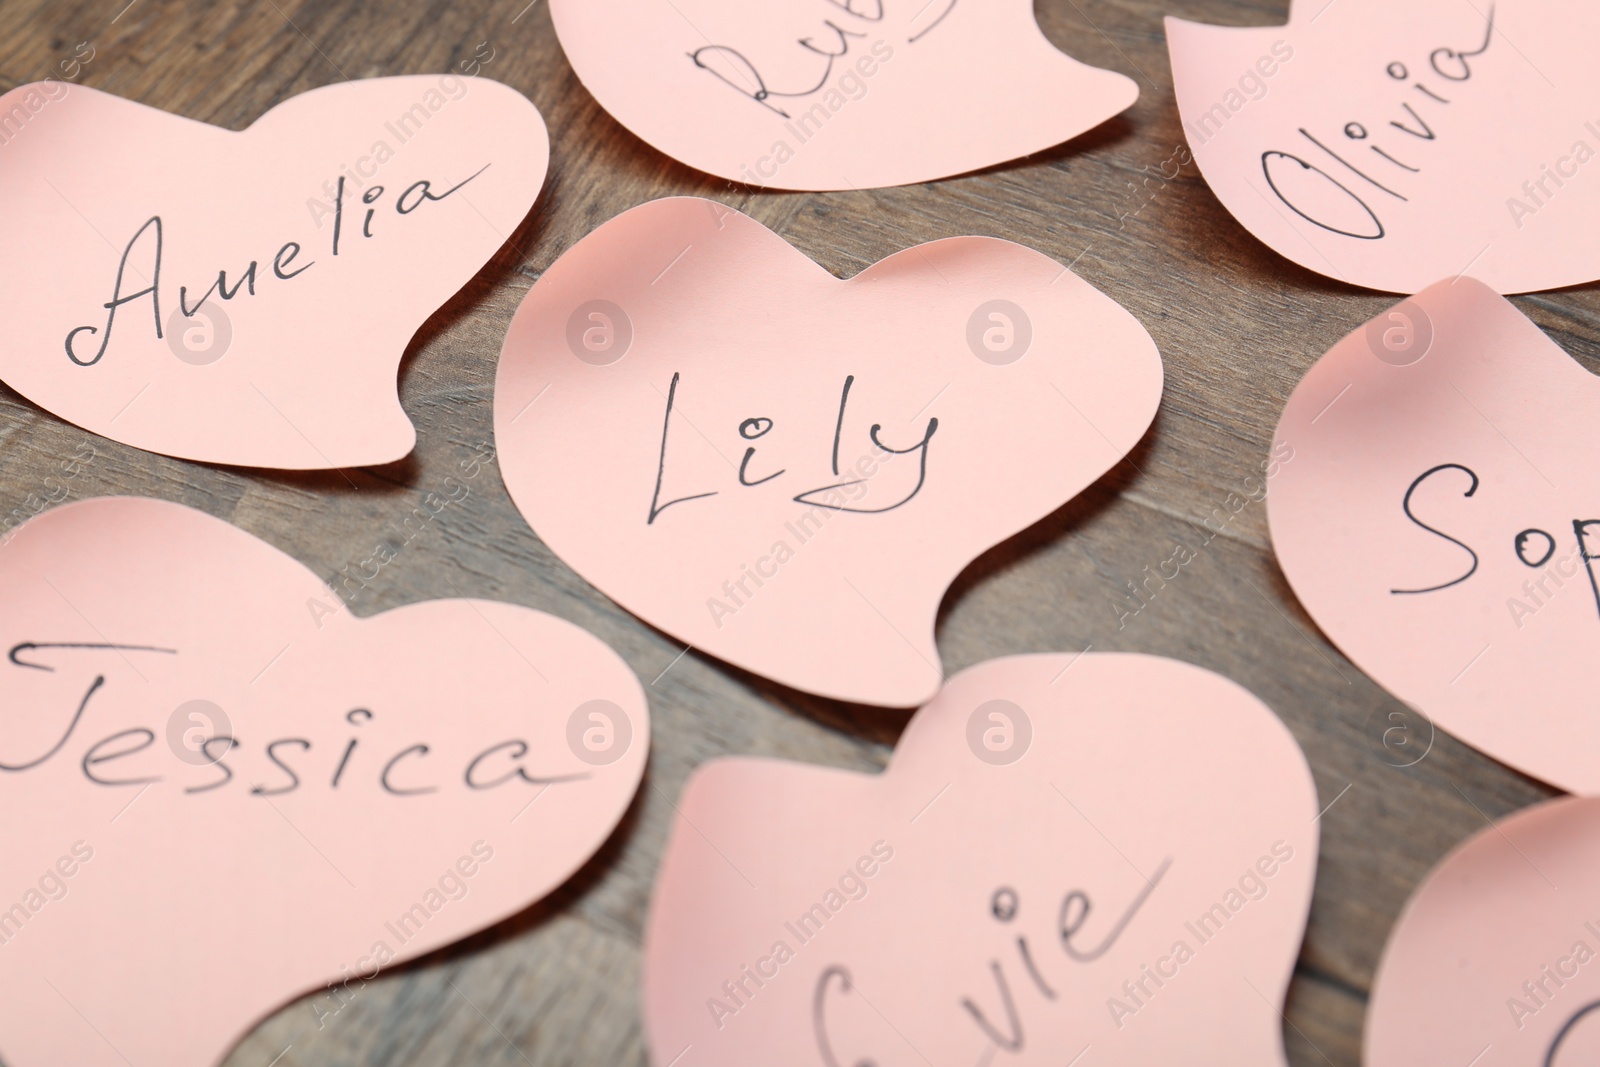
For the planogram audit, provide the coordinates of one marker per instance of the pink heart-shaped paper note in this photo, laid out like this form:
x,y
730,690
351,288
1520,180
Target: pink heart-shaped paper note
x,y
1442,525
787,470
1392,144
245,298
1066,852
222,791
835,94
1494,961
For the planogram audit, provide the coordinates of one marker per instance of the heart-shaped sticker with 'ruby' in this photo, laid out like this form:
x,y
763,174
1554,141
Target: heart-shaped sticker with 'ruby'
x,y
221,790
835,94
1441,523
786,470
246,297
1496,959
1098,851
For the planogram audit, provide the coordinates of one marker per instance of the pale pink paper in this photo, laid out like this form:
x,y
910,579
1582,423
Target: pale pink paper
x,y
1447,143
1496,959
1139,772
308,377
840,603
1504,658
200,912
918,90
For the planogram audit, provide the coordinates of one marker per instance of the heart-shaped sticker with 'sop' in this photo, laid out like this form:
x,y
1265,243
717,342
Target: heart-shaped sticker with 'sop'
x,y
221,790
786,470
1441,523
245,297
1101,850
1496,959
835,94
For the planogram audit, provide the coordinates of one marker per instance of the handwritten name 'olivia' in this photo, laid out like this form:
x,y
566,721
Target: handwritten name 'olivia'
x,y
1385,169
149,240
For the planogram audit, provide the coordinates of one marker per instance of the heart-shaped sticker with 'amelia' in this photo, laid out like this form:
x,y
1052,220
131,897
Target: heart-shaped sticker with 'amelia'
x,y
1442,525
786,470
1392,144
835,94
1101,850
222,790
246,297
1496,959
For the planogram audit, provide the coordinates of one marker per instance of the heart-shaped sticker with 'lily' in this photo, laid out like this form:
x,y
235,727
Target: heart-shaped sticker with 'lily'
x,y
1496,959
835,94
786,470
221,790
1442,526
1392,144
246,297
1098,851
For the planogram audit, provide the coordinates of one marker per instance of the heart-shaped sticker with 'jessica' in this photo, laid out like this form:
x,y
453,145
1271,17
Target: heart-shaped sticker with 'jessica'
x,y
1496,959
835,94
1099,851
786,470
1441,523
221,790
246,297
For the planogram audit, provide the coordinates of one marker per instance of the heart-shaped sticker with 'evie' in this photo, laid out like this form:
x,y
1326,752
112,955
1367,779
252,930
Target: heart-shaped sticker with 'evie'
x,y
246,297
787,470
1098,851
1442,525
1496,959
221,790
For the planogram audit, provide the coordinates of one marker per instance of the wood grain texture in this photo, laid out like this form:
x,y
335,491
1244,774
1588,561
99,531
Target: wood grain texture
x,y
1236,325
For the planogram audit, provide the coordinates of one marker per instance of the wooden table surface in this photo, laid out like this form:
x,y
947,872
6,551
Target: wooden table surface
x,y
1236,324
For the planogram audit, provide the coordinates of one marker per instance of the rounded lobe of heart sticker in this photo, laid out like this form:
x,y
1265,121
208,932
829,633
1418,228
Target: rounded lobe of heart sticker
x,y
1390,145
1493,961
246,297
1436,522
1103,850
835,94
786,470
224,791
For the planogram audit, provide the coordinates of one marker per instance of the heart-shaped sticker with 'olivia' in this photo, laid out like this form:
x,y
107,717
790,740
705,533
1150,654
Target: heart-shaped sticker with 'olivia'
x,y
221,790
1390,145
1496,959
1441,523
1099,851
835,94
245,297
786,470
